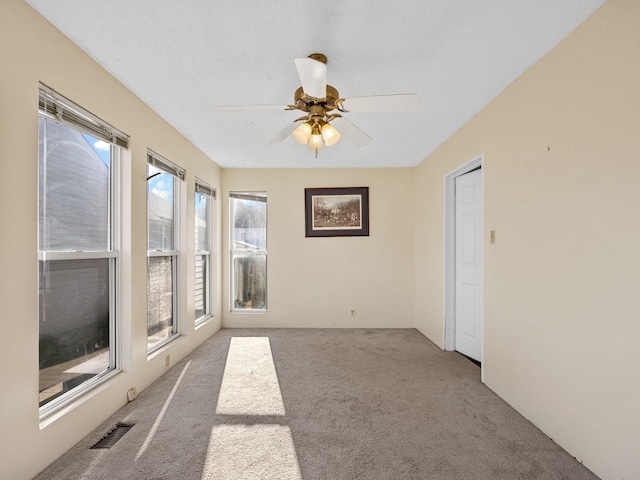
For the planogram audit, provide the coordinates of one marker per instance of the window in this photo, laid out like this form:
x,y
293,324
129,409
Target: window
x,y
78,256
163,182
248,251
204,197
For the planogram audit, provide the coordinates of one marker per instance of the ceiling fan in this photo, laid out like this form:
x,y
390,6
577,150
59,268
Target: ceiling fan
x,y
319,102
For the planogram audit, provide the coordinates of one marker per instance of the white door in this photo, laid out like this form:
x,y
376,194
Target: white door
x,y
468,291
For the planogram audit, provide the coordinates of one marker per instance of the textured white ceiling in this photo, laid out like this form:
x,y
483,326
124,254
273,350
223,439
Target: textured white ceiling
x,y
184,57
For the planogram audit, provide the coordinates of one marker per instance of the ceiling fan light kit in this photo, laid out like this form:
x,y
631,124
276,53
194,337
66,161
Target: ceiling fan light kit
x,y
317,100
316,130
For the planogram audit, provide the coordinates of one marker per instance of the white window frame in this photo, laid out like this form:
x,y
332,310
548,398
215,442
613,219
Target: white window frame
x,y
178,173
244,253
202,188
53,106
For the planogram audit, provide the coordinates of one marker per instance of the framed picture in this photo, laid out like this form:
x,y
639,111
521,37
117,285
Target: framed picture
x,y
336,212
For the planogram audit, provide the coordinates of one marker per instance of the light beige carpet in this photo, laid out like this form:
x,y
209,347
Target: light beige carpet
x,y
307,404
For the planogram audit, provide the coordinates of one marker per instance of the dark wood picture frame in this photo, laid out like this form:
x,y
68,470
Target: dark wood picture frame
x,y
336,212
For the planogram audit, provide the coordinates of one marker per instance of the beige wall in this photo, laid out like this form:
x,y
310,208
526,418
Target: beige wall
x,y
313,282
561,163
32,51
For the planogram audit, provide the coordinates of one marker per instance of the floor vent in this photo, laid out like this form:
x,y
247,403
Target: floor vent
x,y
115,434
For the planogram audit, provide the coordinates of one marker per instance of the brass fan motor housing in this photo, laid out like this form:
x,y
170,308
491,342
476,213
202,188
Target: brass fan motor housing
x,y
303,102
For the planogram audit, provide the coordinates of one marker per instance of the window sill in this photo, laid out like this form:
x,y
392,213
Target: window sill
x,y
58,409
201,321
160,346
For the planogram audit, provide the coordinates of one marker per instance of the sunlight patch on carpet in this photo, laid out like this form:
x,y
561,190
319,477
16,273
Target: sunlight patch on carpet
x,y
251,451
250,383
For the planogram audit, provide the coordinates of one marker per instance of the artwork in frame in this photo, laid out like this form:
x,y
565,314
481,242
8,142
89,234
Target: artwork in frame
x,y
336,212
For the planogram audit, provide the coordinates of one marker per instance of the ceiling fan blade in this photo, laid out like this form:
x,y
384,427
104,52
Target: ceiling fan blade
x,y
242,108
403,102
351,133
284,133
313,76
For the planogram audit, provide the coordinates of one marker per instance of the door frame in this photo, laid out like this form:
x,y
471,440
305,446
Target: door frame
x,y
449,340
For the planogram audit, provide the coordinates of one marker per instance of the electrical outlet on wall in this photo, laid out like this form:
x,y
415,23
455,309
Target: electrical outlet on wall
x,y
352,312
132,394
